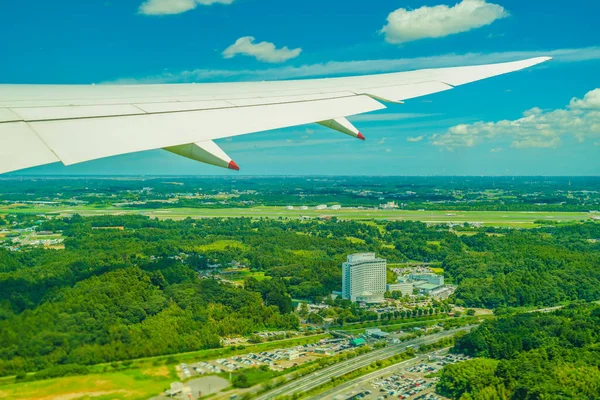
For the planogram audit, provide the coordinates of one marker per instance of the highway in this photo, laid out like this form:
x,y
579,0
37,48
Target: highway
x,y
323,376
344,387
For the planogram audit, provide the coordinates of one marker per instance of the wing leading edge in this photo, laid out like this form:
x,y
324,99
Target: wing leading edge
x,y
41,124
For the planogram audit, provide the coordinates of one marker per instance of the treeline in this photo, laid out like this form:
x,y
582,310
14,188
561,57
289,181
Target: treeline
x,y
529,356
115,295
538,267
131,312
128,286
134,291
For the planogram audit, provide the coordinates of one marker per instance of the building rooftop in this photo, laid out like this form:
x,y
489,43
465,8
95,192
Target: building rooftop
x,y
362,257
427,286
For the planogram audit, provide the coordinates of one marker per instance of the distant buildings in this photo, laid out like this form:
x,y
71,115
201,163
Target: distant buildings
x,y
364,278
389,205
319,207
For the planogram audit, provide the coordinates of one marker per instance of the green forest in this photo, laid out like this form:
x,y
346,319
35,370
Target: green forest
x,y
130,286
529,356
538,267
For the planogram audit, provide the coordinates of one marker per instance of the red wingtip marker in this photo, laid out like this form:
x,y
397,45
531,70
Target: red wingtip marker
x,y
233,165
360,136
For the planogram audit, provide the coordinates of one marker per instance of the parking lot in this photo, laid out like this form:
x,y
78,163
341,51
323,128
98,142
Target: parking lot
x,y
402,386
409,381
276,360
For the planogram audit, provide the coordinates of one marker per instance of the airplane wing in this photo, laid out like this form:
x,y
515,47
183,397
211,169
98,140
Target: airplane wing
x,y
42,124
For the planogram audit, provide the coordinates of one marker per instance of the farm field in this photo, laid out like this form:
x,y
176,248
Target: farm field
x,y
130,385
487,218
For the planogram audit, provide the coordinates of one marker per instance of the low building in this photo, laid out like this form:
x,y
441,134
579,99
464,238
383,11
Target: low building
x,y
406,288
335,207
175,389
426,288
292,354
289,207
358,342
376,333
429,278
321,207
443,292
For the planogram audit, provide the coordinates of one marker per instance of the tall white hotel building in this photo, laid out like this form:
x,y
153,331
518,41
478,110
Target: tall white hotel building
x,y
364,278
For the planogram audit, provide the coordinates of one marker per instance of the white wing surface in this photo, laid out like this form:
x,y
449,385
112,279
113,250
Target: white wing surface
x,y
41,124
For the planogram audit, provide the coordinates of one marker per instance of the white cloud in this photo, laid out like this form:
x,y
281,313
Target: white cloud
x,y
263,51
434,22
537,128
170,7
382,140
336,68
415,139
591,101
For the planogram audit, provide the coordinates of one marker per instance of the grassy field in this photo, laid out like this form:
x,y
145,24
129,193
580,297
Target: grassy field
x,y
125,385
147,377
495,218
395,323
239,275
396,327
222,245
355,240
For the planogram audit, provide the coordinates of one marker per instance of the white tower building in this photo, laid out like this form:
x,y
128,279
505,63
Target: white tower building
x,y
364,278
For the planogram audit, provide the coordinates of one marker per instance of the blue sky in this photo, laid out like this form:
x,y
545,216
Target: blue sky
x,y
452,133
